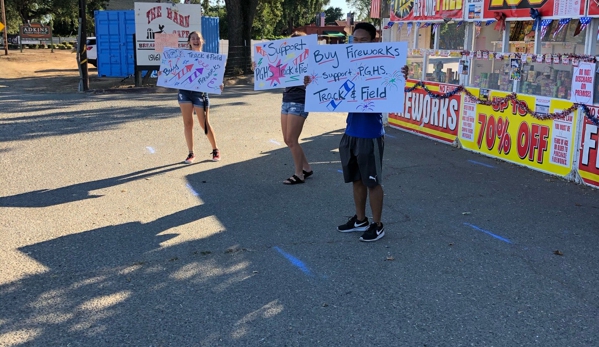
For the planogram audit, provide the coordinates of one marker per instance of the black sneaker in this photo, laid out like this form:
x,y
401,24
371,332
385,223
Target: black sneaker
x,y
373,233
354,225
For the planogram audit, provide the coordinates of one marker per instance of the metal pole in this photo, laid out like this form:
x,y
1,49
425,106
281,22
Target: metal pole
x,y
5,27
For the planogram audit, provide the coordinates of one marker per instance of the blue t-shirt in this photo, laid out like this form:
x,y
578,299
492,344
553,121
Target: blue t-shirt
x,y
365,125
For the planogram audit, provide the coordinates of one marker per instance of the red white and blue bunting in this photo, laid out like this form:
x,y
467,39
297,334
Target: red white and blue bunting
x,y
544,26
582,24
562,24
513,97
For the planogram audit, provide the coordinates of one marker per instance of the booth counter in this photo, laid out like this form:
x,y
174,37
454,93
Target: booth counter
x,y
514,84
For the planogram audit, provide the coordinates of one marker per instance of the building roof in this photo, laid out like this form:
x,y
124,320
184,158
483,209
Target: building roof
x,y
332,34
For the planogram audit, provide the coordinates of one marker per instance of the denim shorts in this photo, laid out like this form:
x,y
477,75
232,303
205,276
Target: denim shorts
x,y
195,98
294,108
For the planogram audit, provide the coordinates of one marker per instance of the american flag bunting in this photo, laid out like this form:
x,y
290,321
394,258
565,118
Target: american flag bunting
x,y
562,24
544,26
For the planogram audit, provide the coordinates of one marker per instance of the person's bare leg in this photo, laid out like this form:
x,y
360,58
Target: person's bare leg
x,y
210,134
360,195
376,195
292,126
187,112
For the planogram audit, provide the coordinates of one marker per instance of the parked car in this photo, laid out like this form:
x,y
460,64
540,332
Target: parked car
x,y
92,52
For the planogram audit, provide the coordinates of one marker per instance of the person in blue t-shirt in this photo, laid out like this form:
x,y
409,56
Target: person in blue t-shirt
x,y
361,150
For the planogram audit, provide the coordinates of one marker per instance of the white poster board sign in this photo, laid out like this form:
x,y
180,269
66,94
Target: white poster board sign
x,y
153,18
363,77
282,63
582,83
191,70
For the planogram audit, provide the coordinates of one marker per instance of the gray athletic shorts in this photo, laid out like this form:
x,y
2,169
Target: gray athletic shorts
x,y
362,159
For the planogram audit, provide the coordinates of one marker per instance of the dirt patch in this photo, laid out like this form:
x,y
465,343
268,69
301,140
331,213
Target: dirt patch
x,y
40,71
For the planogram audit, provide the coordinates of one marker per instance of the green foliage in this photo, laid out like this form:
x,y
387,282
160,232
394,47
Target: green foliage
x,y
300,12
63,15
13,20
267,18
362,9
332,14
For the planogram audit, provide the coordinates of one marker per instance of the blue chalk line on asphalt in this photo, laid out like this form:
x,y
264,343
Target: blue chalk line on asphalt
x,y
193,192
294,261
151,150
483,164
488,233
390,136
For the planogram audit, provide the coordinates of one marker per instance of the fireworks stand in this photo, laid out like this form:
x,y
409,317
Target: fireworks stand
x,y
516,84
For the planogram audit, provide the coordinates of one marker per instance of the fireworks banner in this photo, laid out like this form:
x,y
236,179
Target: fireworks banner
x,y
425,10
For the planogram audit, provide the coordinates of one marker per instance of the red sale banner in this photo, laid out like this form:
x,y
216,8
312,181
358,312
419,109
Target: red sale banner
x,y
547,8
593,10
436,118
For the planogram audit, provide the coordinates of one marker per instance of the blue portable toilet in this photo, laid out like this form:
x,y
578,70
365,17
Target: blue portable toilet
x,y
115,30
114,40
211,33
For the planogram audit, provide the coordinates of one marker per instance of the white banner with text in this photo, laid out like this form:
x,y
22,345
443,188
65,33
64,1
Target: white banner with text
x,y
191,70
363,77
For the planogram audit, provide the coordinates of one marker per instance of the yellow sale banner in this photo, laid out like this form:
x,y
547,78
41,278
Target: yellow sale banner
x,y
505,130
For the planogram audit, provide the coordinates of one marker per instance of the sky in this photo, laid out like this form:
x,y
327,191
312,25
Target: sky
x,y
340,3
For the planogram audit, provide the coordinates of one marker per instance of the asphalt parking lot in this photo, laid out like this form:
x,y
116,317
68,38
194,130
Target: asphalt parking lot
x,y
106,239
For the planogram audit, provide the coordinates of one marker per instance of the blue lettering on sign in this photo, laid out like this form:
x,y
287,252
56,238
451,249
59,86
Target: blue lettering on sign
x,y
348,86
337,98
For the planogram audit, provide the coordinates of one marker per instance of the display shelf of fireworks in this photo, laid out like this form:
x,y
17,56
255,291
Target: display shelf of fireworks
x,y
513,97
547,58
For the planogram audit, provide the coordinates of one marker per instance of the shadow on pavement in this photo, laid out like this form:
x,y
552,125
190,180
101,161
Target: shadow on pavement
x,y
265,266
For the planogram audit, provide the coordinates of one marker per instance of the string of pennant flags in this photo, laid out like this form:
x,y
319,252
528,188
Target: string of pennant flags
x,y
542,24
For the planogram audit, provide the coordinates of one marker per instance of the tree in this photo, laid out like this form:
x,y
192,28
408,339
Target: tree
x,y
267,20
240,17
332,14
62,14
12,20
301,12
362,8
363,11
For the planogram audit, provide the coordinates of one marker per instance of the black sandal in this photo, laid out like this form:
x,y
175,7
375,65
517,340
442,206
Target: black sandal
x,y
293,180
308,173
